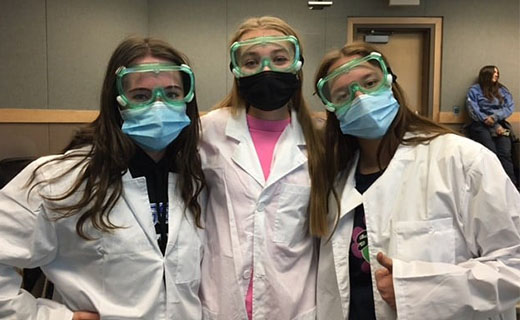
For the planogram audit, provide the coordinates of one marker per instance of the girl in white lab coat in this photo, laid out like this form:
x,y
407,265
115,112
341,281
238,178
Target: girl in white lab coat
x,y
416,222
257,147
114,221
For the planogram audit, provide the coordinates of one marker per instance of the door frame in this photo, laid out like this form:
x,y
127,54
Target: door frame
x,y
433,27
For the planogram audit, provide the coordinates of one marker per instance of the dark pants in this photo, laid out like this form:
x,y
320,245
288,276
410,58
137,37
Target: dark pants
x,y
500,145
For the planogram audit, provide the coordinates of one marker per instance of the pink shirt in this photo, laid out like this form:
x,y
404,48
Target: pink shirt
x,y
265,134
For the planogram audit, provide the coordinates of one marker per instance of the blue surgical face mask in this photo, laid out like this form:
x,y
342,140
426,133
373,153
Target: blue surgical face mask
x,y
370,115
154,127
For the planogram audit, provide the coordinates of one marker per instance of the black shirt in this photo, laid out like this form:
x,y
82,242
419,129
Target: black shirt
x,y
156,174
361,295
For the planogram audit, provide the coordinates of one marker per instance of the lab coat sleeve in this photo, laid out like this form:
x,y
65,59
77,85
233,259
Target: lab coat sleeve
x,y
27,240
485,285
472,106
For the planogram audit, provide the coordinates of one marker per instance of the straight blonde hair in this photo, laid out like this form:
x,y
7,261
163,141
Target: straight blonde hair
x,y
235,102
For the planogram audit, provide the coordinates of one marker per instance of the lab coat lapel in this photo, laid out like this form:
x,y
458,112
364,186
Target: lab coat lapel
x,y
350,197
245,153
135,196
175,211
288,154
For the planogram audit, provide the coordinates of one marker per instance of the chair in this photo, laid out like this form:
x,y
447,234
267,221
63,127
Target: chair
x,y
34,280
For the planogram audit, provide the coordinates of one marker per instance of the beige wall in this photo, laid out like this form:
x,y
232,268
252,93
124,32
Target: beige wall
x,y
54,52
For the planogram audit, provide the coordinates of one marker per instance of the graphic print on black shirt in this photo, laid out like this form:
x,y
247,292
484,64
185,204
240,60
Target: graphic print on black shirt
x,y
361,291
160,221
359,246
156,175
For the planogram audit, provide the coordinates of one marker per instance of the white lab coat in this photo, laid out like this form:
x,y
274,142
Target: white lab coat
x,y
120,275
448,216
253,223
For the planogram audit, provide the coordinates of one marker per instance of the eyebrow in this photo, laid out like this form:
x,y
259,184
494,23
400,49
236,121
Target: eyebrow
x,y
253,53
175,87
280,50
168,87
138,89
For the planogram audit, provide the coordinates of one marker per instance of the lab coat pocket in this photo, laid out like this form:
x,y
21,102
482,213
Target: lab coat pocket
x,y
290,222
188,249
432,240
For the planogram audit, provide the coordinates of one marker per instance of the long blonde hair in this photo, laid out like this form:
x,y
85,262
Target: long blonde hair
x,y
340,149
296,103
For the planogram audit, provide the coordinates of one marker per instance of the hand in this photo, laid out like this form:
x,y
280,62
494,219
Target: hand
x,y
500,130
83,315
489,121
384,281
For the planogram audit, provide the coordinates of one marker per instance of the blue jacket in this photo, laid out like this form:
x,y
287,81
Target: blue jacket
x,y
480,107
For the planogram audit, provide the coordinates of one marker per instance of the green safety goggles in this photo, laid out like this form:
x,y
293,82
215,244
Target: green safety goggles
x,y
141,85
366,75
278,53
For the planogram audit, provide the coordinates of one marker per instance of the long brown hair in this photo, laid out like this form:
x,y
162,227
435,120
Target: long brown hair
x,y
340,150
103,165
490,88
297,103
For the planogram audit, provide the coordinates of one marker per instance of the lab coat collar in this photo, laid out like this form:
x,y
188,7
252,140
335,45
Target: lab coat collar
x,y
135,195
245,153
290,155
350,197
290,143
176,212
140,206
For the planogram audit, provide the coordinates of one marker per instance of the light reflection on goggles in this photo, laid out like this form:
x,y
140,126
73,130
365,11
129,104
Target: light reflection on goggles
x,y
141,85
367,75
278,53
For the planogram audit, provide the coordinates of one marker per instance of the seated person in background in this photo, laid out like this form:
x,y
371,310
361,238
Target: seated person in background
x,y
489,104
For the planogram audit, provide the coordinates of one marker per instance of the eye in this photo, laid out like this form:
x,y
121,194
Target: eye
x,y
280,60
370,83
250,63
340,96
174,94
140,95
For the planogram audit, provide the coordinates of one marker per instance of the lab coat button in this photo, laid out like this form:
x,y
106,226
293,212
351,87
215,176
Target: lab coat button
x,y
247,274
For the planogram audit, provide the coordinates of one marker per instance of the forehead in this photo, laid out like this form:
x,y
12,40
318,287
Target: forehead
x,y
342,61
149,59
152,79
260,33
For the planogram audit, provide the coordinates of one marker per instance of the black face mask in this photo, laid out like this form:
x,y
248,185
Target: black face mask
x,y
268,90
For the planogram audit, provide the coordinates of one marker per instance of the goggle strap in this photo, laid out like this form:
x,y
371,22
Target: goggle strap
x,y
391,76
